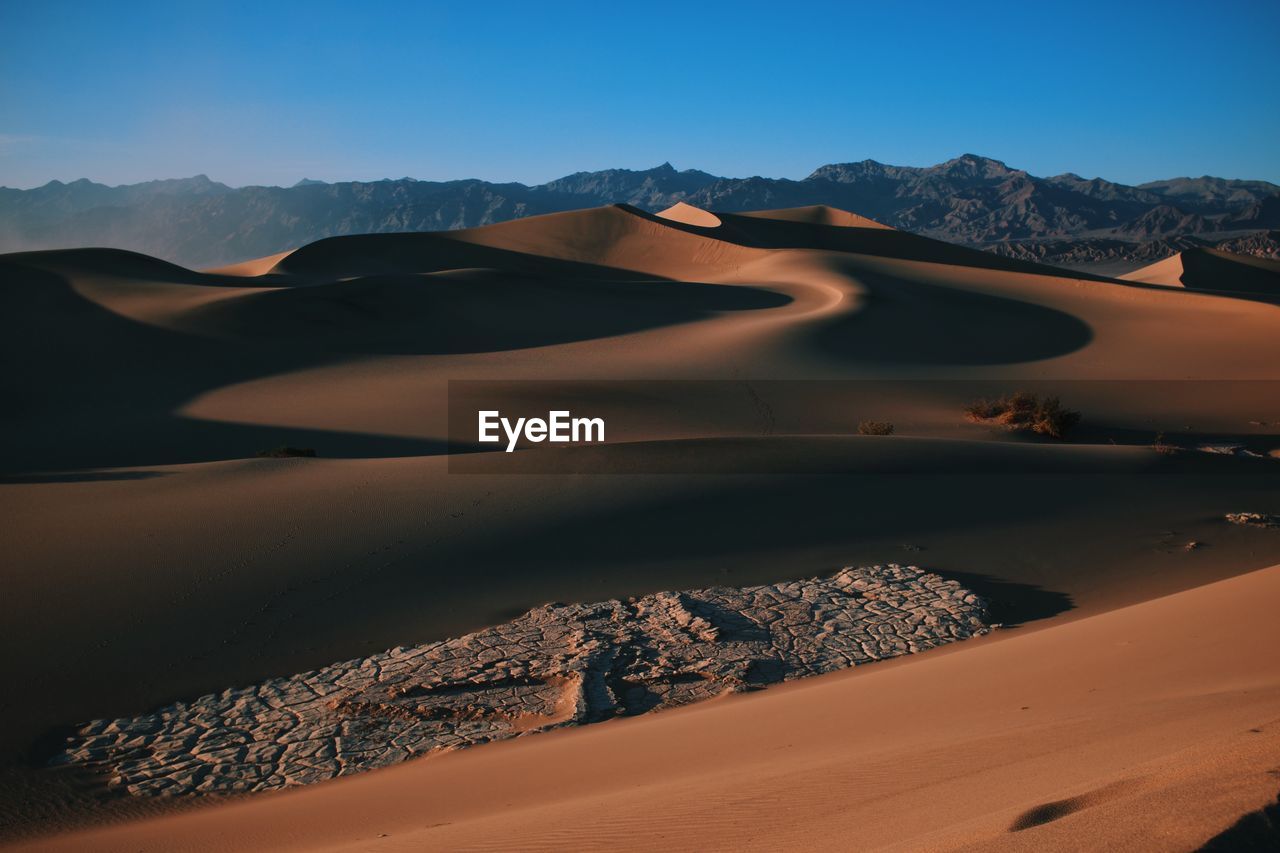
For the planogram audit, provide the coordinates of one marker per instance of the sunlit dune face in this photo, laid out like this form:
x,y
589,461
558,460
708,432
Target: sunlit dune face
x,y
690,215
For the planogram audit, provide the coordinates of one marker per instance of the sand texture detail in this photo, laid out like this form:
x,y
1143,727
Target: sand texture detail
x,y
557,665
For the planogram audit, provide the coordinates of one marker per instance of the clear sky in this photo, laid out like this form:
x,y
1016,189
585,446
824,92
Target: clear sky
x,y
267,93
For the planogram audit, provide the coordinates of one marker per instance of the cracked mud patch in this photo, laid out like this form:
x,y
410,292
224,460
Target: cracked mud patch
x,y
557,665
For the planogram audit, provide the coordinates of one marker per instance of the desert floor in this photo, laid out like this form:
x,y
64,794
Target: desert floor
x,y
1131,700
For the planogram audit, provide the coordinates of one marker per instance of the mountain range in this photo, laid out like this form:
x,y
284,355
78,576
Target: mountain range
x,y
970,200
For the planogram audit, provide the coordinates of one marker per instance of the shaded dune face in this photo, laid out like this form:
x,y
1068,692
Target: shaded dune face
x,y
448,312
103,390
1212,269
818,214
372,254
106,262
1006,331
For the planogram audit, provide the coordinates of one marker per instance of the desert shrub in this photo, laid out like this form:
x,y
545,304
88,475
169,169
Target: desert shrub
x,y
1163,447
1024,411
985,410
284,452
1053,419
875,428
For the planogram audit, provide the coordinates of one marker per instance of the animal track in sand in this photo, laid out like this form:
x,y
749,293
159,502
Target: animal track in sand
x,y
557,665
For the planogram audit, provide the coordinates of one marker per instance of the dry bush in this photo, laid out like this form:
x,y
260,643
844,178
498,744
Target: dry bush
x,y
1163,447
875,428
1024,411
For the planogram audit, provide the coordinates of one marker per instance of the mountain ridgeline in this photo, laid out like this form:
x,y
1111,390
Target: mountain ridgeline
x,y
971,200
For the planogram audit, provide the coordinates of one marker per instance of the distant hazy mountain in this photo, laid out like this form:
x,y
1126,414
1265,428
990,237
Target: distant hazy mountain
x,y
972,200
1208,195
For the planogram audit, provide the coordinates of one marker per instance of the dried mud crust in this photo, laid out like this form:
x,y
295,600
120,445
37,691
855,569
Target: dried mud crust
x,y
557,665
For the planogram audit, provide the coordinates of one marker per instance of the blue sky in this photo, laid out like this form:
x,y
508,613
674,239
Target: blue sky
x,y
267,93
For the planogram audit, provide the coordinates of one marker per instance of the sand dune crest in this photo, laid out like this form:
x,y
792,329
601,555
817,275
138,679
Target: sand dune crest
x,y
690,215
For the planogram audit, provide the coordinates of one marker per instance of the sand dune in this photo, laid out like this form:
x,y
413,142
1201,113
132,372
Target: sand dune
x,y
1213,269
690,215
182,565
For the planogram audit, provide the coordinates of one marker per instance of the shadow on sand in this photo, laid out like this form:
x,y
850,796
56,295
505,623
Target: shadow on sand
x,y
91,388
1010,603
1258,830
947,327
